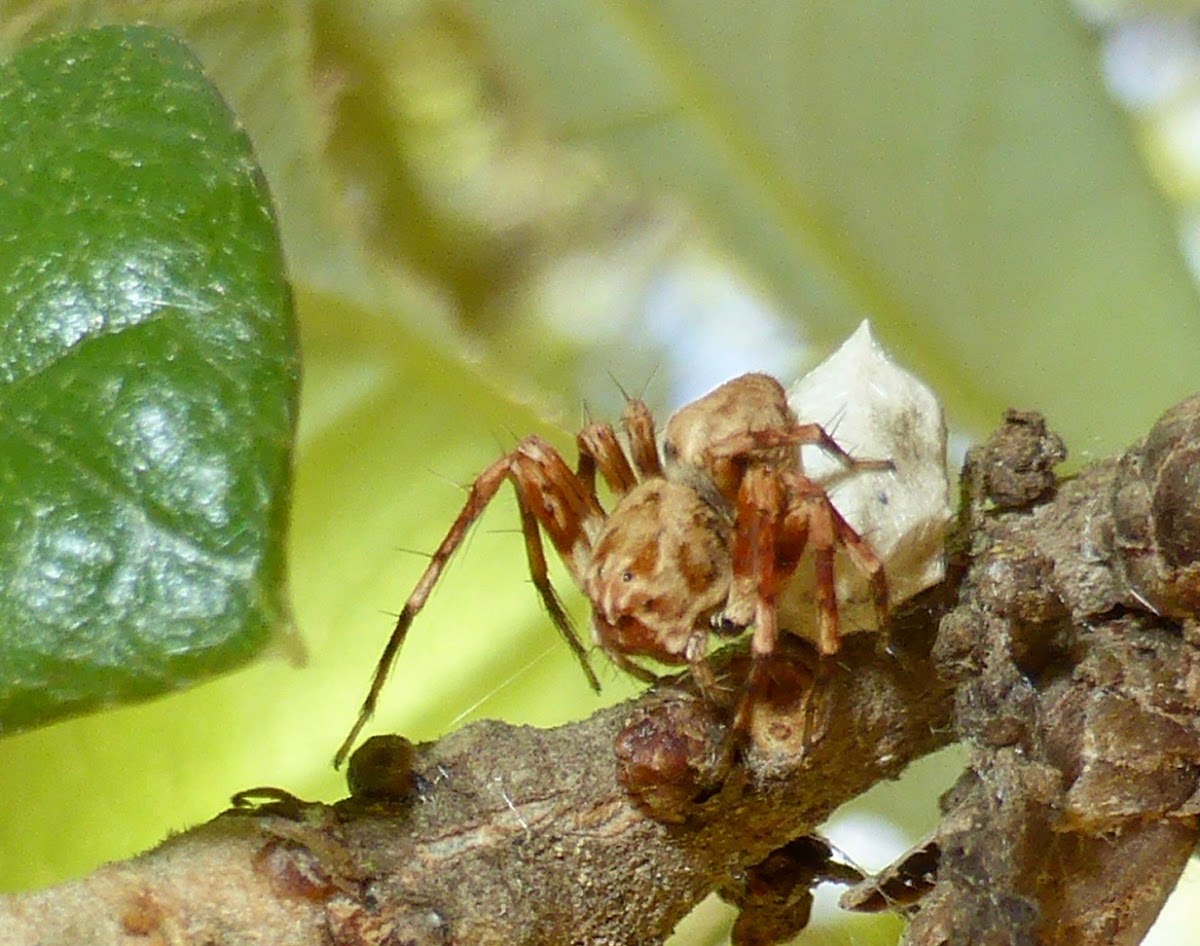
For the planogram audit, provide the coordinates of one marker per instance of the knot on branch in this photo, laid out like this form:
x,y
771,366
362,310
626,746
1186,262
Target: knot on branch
x,y
1156,515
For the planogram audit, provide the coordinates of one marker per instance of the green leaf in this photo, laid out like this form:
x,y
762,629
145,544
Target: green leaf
x,y
147,379
955,171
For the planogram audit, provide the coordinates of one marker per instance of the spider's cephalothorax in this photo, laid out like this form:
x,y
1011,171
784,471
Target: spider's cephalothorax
x,y
705,537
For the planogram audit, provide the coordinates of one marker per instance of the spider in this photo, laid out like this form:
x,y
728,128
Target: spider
x,y
700,540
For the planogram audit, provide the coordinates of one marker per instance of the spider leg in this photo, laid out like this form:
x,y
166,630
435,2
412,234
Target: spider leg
x,y
639,427
829,529
867,562
696,653
759,517
540,575
481,493
752,441
742,602
637,671
600,450
550,491
823,538
560,500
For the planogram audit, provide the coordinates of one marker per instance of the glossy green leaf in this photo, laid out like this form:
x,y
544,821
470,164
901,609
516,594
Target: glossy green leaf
x,y
147,379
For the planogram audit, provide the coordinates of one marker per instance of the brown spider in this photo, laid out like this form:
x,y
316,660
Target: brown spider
x,y
701,541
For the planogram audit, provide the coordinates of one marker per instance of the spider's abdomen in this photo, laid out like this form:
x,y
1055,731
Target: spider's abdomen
x,y
751,402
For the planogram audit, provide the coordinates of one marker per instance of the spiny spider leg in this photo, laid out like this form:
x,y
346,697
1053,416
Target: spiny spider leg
x,y
540,575
760,516
751,441
867,562
696,654
635,670
822,538
600,450
639,426
777,517
828,529
864,557
551,493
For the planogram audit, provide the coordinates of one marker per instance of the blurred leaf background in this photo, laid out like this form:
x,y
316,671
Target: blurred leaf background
x,y
492,209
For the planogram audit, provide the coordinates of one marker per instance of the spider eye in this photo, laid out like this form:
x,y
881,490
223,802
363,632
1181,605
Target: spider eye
x,y
627,576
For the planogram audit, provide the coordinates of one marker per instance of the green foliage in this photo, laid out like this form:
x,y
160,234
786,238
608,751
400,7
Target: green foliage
x,y
147,379
952,170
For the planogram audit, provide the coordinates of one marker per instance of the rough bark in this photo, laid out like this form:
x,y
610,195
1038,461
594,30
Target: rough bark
x,y
1061,646
1073,646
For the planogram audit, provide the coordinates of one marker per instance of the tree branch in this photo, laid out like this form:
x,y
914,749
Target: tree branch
x,y
1043,647
1074,646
